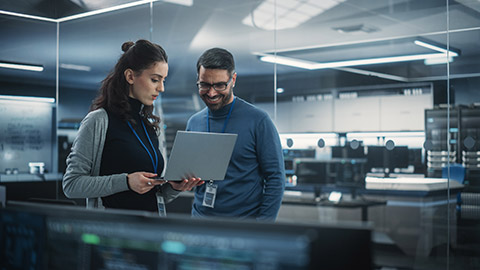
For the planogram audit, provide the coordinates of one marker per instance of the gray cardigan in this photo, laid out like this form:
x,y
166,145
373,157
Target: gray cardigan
x,y
81,179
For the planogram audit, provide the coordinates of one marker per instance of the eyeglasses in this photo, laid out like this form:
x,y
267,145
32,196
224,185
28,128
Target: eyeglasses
x,y
220,86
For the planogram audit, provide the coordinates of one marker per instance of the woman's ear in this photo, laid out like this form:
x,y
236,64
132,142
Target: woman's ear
x,y
129,76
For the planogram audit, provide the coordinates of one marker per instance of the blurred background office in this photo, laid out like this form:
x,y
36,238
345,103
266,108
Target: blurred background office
x,y
376,103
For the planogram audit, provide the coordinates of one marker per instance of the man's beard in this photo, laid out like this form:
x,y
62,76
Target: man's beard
x,y
225,98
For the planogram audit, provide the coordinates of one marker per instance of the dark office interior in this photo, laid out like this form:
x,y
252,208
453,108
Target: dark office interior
x,y
376,104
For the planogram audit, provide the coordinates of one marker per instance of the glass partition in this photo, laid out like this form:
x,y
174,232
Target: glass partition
x,y
27,104
186,32
463,80
372,119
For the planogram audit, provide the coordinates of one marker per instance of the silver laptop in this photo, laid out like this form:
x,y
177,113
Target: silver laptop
x,y
200,154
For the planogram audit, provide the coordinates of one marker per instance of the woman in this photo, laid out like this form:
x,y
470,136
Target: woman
x,y
115,155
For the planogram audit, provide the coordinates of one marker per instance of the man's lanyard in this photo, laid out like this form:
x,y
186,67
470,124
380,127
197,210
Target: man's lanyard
x,y
226,120
155,164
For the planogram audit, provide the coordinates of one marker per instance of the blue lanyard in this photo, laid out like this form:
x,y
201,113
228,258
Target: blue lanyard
x,y
226,120
155,164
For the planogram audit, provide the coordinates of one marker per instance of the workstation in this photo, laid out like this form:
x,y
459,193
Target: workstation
x,y
375,103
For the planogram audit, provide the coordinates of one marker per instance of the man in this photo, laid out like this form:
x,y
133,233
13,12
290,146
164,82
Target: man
x,y
255,179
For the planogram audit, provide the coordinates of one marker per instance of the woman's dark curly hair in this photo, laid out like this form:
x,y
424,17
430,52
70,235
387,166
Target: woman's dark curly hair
x,y
113,94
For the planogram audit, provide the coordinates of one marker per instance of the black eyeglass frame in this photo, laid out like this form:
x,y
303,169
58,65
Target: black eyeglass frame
x,y
215,85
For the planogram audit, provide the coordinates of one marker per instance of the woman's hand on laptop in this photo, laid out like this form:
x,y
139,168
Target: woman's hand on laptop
x,y
186,184
142,182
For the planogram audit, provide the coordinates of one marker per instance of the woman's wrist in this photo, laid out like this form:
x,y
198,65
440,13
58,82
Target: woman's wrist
x,y
128,184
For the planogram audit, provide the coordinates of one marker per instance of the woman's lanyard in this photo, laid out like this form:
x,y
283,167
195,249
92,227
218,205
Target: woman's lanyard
x,y
155,164
226,120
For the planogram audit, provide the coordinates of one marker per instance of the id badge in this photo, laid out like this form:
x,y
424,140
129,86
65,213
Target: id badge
x,y
209,197
162,211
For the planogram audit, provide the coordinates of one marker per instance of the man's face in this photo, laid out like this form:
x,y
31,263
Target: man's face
x,y
211,79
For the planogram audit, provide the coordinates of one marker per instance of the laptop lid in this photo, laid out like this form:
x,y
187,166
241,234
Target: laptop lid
x,y
200,154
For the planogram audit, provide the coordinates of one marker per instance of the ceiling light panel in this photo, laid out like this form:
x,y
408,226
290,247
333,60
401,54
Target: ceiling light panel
x,y
187,3
288,13
75,67
313,59
438,61
435,48
27,67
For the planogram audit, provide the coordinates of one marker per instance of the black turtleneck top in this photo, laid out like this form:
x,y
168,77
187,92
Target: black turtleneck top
x,y
123,153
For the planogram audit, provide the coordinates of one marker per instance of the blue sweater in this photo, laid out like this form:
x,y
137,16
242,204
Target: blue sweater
x,y
255,179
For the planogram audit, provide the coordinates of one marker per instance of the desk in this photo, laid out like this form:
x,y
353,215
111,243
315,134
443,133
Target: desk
x,y
26,187
416,220
27,177
351,204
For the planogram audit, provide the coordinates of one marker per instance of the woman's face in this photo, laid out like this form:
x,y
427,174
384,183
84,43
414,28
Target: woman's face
x,y
146,86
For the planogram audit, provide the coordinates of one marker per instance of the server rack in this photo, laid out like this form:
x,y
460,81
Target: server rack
x,y
463,138
441,139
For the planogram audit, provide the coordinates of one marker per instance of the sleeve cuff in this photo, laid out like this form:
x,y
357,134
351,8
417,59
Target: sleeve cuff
x,y
120,183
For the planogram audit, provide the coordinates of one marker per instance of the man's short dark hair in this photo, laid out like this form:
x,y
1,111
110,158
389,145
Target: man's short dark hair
x,y
216,58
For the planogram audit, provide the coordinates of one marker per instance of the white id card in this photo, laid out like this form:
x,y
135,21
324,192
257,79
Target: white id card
x,y
209,197
162,211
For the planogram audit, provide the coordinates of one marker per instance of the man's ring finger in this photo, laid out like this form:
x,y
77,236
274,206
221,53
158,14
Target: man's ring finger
x,y
149,183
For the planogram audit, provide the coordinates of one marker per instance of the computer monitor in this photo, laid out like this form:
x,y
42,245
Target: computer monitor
x,y
348,172
334,172
78,238
381,157
22,240
311,172
399,157
416,160
375,158
347,151
288,165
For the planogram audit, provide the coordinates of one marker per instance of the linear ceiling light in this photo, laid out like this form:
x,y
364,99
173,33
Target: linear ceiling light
x,y
288,61
75,67
21,66
438,61
103,10
96,4
4,12
95,12
348,63
23,98
288,13
124,6
187,3
435,48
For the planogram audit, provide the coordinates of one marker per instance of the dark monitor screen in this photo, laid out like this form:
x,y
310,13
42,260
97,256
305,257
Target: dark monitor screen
x,y
415,156
381,157
347,152
288,164
375,158
78,238
22,240
310,171
338,172
348,173
399,157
